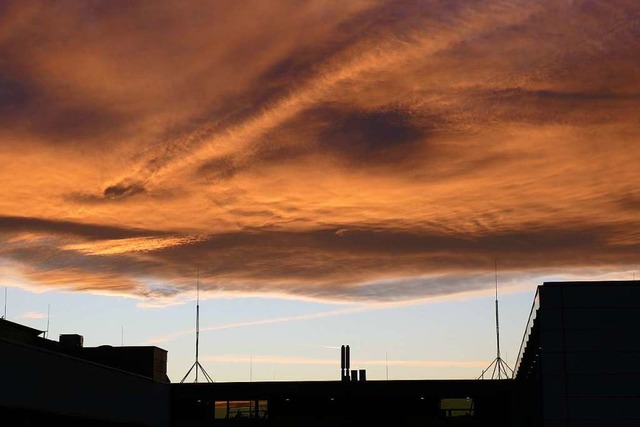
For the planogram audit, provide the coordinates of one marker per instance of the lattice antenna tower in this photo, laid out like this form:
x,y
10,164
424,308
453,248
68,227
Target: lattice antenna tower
x,y
196,365
499,368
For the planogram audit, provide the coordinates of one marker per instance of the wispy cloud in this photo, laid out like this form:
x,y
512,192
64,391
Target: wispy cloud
x,y
32,315
123,246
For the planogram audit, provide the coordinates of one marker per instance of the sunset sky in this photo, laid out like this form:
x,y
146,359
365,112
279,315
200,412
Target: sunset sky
x,y
329,172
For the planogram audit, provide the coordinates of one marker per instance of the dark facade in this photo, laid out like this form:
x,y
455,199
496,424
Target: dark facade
x,y
579,365
580,357
351,403
44,382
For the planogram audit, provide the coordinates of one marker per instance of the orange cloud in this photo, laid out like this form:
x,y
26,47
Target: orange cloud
x,y
123,246
363,150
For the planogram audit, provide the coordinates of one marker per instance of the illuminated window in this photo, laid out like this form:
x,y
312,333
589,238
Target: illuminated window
x,y
241,409
458,407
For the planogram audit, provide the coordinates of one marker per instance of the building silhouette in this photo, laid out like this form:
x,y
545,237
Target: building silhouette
x,y
578,365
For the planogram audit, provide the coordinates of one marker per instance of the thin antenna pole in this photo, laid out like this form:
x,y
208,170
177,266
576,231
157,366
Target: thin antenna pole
x,y
500,368
196,365
497,319
5,303
197,317
46,334
495,273
386,362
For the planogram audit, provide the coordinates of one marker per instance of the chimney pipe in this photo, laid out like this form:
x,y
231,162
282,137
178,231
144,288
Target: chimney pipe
x,y
347,358
343,362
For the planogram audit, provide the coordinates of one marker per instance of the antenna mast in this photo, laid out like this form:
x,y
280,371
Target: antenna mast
x,y
46,334
501,369
495,271
386,362
197,364
5,303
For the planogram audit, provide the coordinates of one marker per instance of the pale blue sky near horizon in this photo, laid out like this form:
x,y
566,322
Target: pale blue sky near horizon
x,y
266,339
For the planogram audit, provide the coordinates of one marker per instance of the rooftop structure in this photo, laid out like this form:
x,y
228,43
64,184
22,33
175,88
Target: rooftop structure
x,y
578,365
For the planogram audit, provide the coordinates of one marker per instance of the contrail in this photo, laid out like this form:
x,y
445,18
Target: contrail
x,y
320,315
283,319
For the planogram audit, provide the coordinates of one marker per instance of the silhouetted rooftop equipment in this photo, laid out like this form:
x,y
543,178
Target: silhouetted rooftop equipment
x,y
501,369
344,363
346,373
196,365
46,333
71,340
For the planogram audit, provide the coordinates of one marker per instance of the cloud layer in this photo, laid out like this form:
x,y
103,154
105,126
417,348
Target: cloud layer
x,y
363,150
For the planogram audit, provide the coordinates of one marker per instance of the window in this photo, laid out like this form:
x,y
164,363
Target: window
x,y
241,409
457,407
